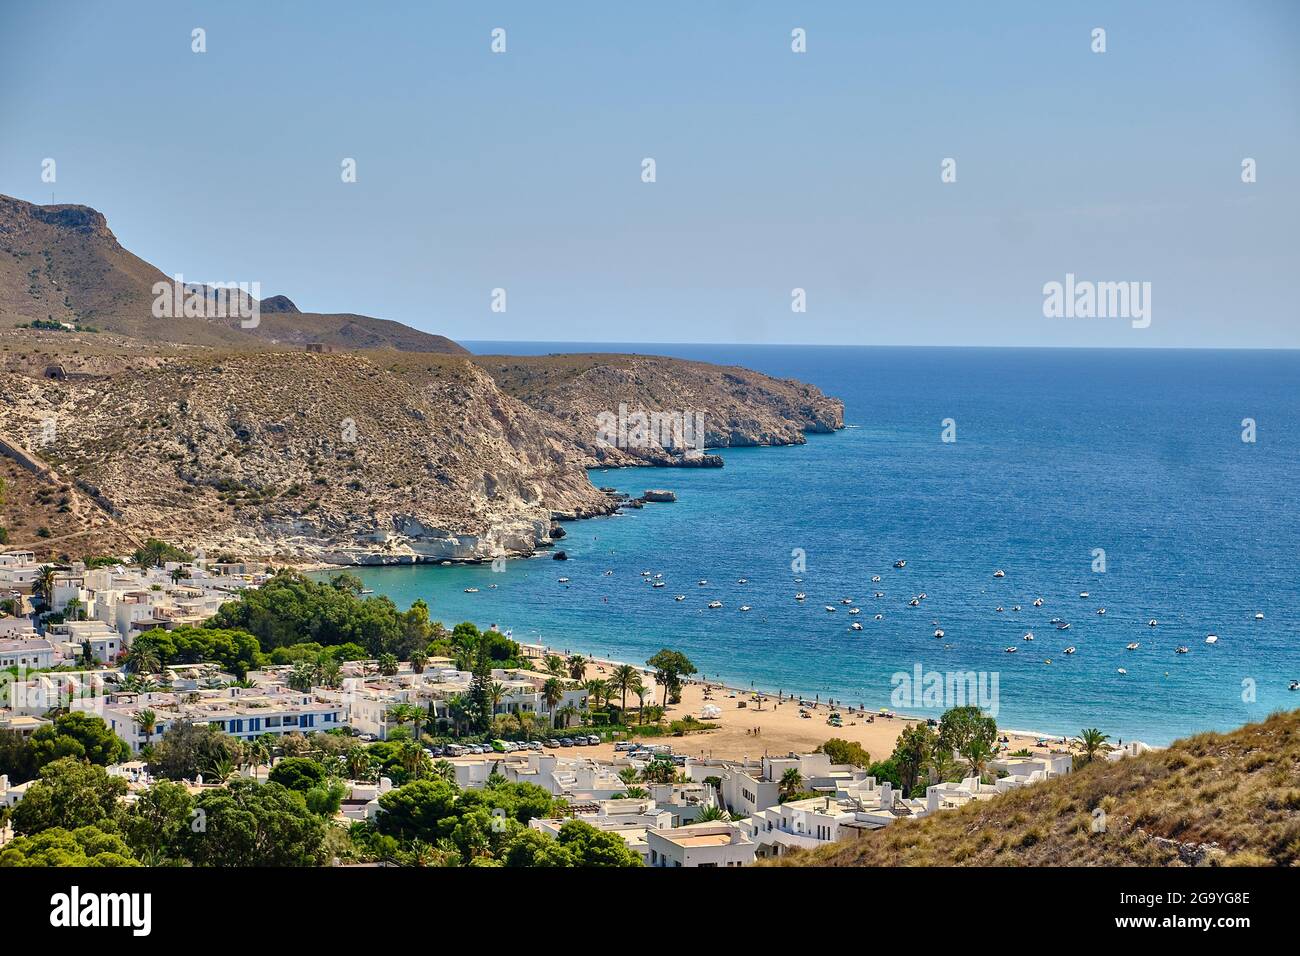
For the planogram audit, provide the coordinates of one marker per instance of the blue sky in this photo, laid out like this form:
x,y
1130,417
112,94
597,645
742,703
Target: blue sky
x,y
775,170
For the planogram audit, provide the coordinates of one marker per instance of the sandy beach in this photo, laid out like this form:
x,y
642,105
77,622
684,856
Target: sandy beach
x,y
753,724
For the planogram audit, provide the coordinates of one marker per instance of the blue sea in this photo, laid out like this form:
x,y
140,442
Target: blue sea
x,y
1057,453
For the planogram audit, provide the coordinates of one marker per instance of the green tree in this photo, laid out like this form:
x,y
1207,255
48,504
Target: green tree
x,y
846,751
80,735
187,750
911,752
966,731
592,847
1091,742
70,793
299,774
155,825
251,824
791,782
552,694
58,846
624,676
670,668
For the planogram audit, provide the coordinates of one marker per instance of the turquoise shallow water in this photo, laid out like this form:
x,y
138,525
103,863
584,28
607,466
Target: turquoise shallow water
x,y
1057,453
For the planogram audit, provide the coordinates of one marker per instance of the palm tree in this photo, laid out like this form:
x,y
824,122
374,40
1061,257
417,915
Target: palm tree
x,y
554,664
414,760
597,690
791,782
444,770
418,661
303,676
44,583
72,610
552,694
407,713
387,664
641,691
258,754
525,721
147,721
711,813
460,712
358,762
577,666
622,679
1090,742
566,714
496,694
629,775
142,658
977,753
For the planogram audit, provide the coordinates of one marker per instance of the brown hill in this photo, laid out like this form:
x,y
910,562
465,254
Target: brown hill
x,y
1211,799
63,264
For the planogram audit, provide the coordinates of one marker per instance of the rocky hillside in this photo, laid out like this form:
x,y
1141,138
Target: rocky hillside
x,y
1212,799
63,264
364,457
735,406
391,445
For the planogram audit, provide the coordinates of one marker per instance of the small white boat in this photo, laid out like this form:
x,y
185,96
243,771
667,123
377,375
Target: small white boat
x,y
1038,602
1152,623
999,608
1028,637
915,602
1070,649
923,595
1101,610
875,579
999,573
1121,671
1295,685
1180,650
609,574
471,590
1015,607
1212,639
715,604
855,626
703,581
645,574
880,594
1083,594
742,580
1132,647
1010,650
846,600
800,596
657,584
900,564
1063,626
855,610
1259,615
680,597
880,617
831,608
566,581
746,607
938,632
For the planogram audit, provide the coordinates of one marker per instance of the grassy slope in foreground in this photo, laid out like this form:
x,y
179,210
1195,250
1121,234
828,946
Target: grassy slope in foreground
x,y
1239,790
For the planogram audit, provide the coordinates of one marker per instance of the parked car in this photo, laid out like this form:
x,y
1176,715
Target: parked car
x,y
454,750
534,745
593,739
552,742
566,741
623,746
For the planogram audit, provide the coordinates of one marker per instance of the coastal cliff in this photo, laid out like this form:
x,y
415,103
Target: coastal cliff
x,y
319,438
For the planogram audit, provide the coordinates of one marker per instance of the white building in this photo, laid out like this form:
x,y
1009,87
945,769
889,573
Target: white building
x,y
700,844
